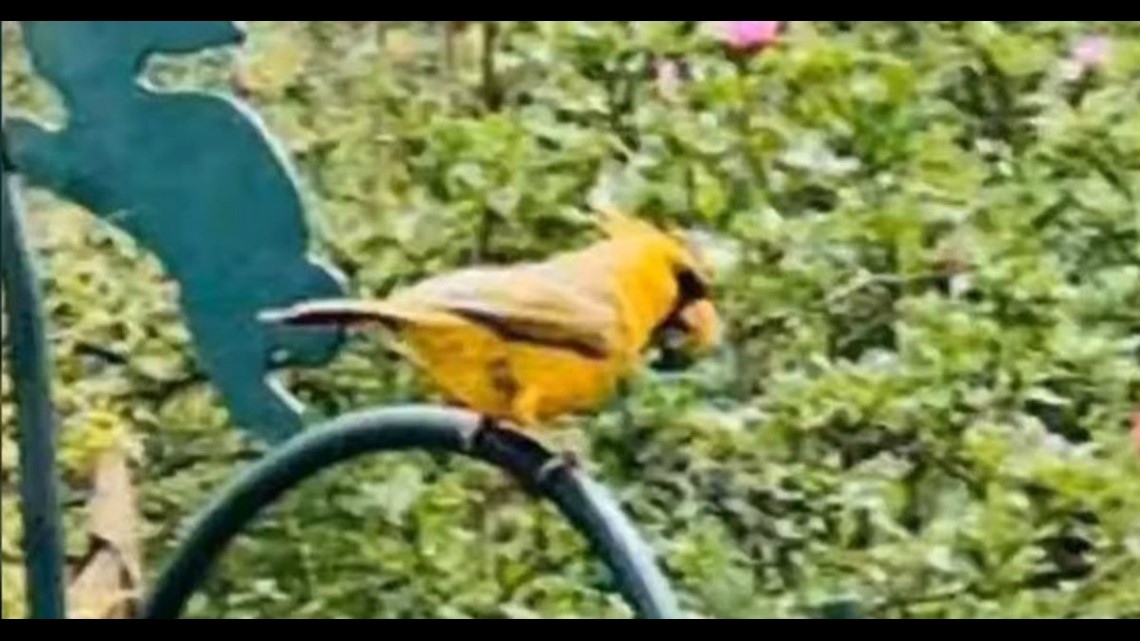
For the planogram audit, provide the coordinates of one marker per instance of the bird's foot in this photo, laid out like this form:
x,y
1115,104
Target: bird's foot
x,y
472,438
490,435
564,460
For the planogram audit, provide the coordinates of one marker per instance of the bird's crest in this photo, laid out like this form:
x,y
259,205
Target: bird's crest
x,y
617,224
689,247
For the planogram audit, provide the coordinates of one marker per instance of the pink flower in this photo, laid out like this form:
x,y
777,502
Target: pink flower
x,y
1092,52
1136,430
668,78
749,35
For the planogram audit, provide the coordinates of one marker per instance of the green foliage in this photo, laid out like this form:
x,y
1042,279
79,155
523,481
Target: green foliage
x,y
929,245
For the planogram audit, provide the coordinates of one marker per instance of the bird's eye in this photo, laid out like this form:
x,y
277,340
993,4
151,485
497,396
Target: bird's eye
x,y
691,286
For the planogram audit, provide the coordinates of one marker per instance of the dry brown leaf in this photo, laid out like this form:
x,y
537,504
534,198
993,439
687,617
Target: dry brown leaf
x,y
107,584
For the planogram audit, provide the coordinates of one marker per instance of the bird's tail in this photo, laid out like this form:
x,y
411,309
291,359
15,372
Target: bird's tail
x,y
333,311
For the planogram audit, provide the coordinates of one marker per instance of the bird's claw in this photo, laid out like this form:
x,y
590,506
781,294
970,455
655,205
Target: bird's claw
x,y
488,428
472,437
565,460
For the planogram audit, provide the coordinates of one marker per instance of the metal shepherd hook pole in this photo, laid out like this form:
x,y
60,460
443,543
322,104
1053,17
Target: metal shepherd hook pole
x,y
43,539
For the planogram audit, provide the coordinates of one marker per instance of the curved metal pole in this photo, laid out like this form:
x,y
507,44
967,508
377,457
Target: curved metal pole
x,y
586,504
43,541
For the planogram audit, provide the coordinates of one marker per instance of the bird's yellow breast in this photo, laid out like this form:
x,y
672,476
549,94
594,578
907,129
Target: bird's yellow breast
x,y
520,382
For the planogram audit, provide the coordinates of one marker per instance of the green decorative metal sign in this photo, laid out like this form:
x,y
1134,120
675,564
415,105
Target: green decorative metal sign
x,y
195,178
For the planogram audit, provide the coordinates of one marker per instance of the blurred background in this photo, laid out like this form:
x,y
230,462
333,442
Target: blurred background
x,y
927,242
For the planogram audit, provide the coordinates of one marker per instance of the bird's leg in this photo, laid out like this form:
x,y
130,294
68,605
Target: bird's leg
x,y
486,423
570,458
526,408
489,430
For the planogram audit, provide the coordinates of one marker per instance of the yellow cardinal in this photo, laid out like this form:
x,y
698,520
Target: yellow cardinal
x,y
529,342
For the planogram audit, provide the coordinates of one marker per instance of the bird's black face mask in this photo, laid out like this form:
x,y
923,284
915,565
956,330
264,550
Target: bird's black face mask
x,y
670,336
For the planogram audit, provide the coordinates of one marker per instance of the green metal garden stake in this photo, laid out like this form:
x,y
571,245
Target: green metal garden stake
x,y
43,539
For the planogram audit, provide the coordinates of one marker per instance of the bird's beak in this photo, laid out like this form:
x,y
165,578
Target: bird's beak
x,y
702,324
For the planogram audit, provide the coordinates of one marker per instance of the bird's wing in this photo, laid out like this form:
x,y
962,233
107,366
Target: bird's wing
x,y
529,303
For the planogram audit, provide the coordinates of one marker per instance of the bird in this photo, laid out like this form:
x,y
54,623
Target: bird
x,y
525,343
